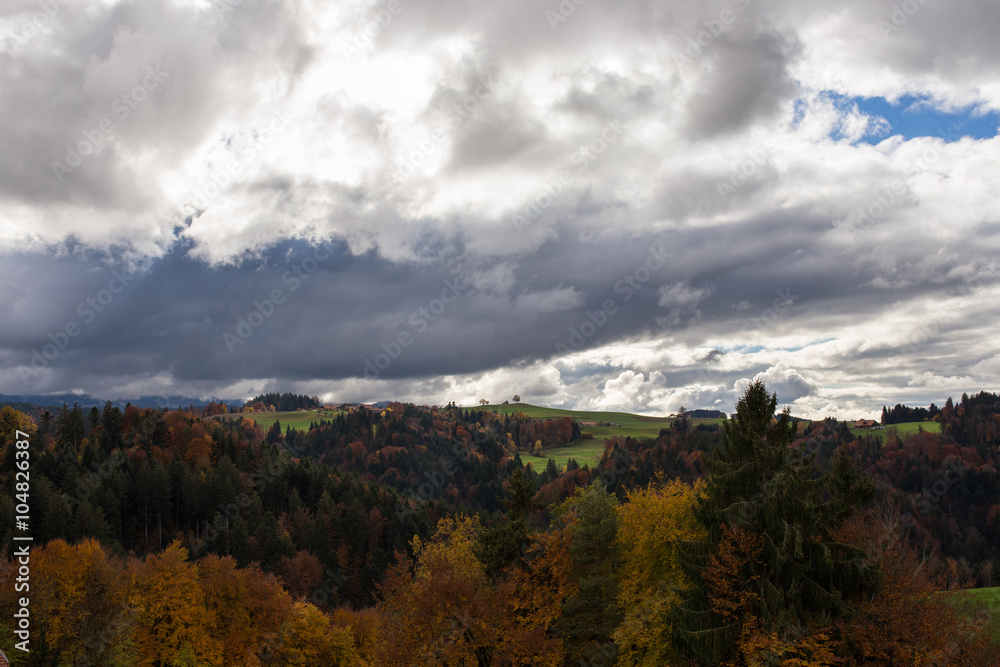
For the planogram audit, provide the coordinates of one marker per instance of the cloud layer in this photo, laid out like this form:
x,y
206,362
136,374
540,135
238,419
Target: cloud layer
x,y
631,205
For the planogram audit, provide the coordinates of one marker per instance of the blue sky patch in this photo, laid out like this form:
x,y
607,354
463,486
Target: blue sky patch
x,y
912,116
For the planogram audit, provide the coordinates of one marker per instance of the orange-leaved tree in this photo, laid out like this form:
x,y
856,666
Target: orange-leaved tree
x,y
913,617
78,595
246,608
446,610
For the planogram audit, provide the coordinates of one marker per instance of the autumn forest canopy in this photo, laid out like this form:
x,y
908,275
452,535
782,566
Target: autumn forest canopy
x,y
416,535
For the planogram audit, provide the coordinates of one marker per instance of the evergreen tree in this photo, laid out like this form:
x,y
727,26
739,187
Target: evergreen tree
x,y
111,425
551,471
70,425
93,422
590,616
504,542
762,487
274,433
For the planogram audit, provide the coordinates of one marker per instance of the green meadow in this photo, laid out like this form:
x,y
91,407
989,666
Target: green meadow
x,y
586,452
983,600
900,429
589,451
298,420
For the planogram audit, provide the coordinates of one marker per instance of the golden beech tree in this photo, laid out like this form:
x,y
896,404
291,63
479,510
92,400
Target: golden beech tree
x,y
81,600
651,526
171,624
365,626
246,608
309,638
447,611
12,421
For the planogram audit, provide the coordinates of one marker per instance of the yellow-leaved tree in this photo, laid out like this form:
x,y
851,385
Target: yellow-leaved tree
x,y
12,421
81,600
651,525
309,638
171,622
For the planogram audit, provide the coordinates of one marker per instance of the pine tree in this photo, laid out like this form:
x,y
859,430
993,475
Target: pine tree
x,y
760,485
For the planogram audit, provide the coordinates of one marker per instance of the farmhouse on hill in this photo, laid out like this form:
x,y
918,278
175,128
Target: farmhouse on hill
x,y
867,423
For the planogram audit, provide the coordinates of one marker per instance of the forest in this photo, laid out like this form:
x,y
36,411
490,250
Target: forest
x,y
415,536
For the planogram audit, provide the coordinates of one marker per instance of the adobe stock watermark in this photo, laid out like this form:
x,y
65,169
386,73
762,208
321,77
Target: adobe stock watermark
x,y
583,157
33,26
887,197
899,17
562,12
218,181
419,321
931,327
928,497
423,149
88,310
93,480
627,286
226,512
122,107
365,36
866,216
436,482
741,174
263,310
714,28
222,7
767,318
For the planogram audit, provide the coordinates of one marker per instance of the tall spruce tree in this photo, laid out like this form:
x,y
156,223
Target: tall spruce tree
x,y
589,617
760,483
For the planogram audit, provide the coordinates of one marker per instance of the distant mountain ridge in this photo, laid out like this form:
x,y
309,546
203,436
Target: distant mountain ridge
x,y
86,400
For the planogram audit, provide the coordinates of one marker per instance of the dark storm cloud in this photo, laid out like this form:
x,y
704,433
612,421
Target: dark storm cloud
x,y
334,311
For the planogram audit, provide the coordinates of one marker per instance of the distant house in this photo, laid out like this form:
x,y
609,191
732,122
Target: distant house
x,y
588,423
866,423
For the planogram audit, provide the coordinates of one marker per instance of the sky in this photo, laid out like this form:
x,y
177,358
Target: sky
x,y
599,205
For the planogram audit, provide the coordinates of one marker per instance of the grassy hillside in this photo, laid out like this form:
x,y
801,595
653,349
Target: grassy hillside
x,y
901,429
987,599
589,451
586,452
298,421
636,426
